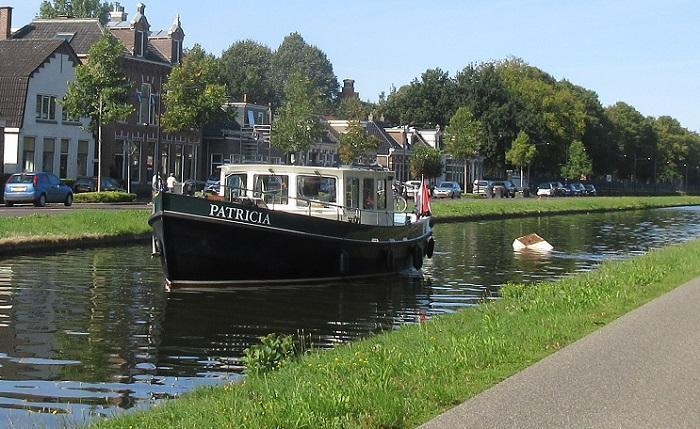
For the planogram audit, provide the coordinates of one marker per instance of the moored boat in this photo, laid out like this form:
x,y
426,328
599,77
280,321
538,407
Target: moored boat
x,y
285,223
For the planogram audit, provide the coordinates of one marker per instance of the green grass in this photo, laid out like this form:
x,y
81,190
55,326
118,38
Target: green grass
x,y
400,379
463,209
76,224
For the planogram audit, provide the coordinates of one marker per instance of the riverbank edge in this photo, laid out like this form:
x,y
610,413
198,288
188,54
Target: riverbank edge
x,y
27,245
539,213
403,378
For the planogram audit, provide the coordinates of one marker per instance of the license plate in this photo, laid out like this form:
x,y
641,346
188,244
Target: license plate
x,y
18,188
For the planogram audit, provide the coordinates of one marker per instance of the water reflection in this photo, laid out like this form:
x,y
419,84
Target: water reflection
x,y
86,332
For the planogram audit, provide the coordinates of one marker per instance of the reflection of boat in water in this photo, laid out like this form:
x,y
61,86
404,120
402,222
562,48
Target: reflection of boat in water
x,y
282,223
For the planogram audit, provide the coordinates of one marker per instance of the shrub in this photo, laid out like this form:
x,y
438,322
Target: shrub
x,y
273,352
103,197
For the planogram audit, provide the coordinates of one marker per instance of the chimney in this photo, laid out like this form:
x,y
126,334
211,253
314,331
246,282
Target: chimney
x,y
5,22
117,14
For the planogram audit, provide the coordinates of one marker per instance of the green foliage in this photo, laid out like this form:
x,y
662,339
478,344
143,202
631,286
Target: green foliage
x,y
465,136
103,197
633,137
425,161
522,152
78,9
297,124
100,89
426,102
354,109
272,352
296,57
246,68
193,93
357,143
578,165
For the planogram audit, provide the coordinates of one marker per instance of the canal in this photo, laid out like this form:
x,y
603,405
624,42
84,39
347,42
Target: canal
x,y
85,333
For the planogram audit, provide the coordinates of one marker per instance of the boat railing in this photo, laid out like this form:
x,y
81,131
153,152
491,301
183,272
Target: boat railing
x,y
270,199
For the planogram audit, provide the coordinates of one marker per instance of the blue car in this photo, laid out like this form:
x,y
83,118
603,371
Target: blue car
x,y
37,188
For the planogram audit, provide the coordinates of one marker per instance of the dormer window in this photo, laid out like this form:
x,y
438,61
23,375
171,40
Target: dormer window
x,y
139,43
177,49
68,37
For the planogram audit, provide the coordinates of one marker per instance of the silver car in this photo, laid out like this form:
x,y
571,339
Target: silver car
x,y
448,190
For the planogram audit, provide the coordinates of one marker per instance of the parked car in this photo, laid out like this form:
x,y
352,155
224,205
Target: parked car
x,y
547,189
411,188
590,189
481,187
37,188
508,189
448,189
577,189
89,184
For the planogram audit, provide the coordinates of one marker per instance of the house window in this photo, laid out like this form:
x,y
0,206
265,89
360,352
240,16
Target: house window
x,y
135,162
177,164
63,164
217,160
145,104
46,107
139,43
82,157
176,51
164,150
28,154
119,168
68,119
47,164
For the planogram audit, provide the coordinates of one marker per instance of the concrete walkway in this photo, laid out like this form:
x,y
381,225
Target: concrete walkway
x,y
640,371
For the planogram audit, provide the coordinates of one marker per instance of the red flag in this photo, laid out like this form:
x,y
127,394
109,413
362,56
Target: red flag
x,y
423,199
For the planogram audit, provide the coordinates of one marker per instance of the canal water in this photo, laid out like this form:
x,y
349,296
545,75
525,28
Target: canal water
x,y
87,333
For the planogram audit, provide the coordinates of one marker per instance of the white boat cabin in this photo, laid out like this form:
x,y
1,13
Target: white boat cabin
x,y
351,194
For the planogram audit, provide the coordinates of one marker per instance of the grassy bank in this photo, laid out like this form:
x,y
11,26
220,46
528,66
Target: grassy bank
x,y
464,209
75,225
402,378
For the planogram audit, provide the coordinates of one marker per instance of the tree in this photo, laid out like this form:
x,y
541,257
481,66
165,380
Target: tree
x,y
521,153
193,93
356,142
75,8
464,137
633,137
425,161
294,56
578,163
100,90
246,67
297,124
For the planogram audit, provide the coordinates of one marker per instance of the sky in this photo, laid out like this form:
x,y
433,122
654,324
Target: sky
x,y
642,52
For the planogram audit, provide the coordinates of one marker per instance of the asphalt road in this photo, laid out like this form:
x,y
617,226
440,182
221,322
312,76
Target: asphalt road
x,y
640,371
27,209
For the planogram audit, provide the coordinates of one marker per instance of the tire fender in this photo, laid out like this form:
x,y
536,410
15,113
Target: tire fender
x,y
418,257
430,248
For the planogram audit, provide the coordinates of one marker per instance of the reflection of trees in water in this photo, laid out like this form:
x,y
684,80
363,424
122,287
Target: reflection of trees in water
x,y
93,306
219,325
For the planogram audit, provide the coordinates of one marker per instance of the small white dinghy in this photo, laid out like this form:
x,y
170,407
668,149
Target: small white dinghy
x,y
531,242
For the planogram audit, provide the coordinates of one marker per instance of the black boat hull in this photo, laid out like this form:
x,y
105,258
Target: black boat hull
x,y
203,242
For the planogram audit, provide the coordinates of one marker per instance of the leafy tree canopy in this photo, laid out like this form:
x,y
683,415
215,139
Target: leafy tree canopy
x,y
578,163
522,152
464,136
357,144
193,92
78,9
425,161
100,89
297,124
246,69
295,56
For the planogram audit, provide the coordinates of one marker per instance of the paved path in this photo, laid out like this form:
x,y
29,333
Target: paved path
x,y
640,371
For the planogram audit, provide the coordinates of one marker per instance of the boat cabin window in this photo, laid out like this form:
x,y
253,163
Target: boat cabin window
x,y
352,192
273,189
369,194
235,186
381,194
315,188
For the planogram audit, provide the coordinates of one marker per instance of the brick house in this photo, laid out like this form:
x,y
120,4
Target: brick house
x,y
132,150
